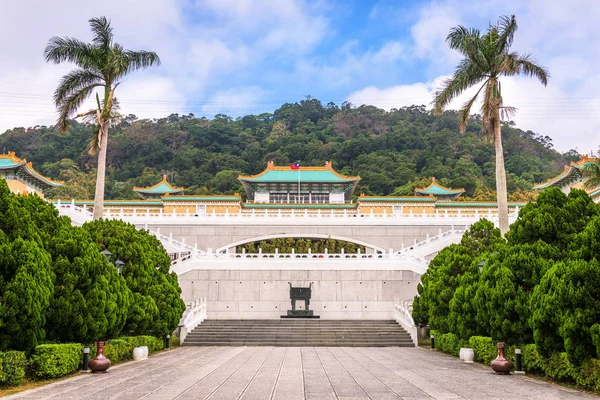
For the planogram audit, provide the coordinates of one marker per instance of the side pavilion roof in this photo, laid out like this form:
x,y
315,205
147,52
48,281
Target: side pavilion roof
x,y
10,161
162,187
436,189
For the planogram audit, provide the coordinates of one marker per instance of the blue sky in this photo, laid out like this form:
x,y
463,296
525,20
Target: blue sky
x,y
250,56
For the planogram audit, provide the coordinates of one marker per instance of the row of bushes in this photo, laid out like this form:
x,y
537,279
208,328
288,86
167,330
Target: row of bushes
x,y
557,366
56,360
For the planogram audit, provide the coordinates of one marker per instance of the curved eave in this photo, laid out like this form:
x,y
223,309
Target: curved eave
x,y
436,189
47,181
152,189
569,169
162,192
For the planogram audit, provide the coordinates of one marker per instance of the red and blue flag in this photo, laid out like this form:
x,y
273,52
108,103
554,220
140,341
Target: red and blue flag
x,y
295,165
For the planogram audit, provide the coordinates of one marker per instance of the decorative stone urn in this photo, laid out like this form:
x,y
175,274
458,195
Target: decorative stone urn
x,y
468,355
138,354
99,363
501,365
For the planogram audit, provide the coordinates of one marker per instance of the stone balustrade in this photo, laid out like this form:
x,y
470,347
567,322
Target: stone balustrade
x,y
194,314
403,315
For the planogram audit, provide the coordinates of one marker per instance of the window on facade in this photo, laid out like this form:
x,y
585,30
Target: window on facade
x,y
201,209
397,209
279,197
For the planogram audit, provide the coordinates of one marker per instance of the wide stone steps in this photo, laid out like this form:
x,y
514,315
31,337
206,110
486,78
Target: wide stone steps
x,y
299,332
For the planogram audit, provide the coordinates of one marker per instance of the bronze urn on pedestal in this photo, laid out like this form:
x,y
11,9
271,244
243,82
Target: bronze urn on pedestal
x,y
501,365
99,363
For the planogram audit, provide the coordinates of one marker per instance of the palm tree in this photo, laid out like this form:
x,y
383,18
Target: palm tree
x,y
101,64
487,58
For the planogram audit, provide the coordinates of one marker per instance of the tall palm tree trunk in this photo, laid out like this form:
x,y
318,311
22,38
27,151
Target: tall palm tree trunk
x,y
500,179
101,174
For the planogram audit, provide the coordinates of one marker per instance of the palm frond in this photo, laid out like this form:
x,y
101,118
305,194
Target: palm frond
x,y
465,111
103,34
529,68
507,112
466,75
140,59
507,26
490,106
463,39
72,50
69,106
75,81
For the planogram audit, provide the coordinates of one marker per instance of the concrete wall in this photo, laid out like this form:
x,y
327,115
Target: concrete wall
x,y
264,294
215,236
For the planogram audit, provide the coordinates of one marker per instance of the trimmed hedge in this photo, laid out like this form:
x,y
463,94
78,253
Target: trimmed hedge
x,y
118,350
56,360
485,349
448,343
154,344
12,367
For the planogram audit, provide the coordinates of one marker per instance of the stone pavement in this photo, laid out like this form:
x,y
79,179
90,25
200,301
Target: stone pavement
x,y
291,373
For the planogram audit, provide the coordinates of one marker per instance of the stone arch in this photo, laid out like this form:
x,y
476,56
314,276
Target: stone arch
x,y
368,246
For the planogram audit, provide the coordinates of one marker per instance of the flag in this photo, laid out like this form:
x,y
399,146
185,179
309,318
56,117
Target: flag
x,y
295,165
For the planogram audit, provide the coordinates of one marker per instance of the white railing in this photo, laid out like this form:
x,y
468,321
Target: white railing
x,y
435,243
403,316
148,215
192,317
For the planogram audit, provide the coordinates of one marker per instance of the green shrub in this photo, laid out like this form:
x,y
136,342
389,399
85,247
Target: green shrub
x,y
532,361
588,375
559,368
485,349
12,367
118,350
154,344
448,343
55,360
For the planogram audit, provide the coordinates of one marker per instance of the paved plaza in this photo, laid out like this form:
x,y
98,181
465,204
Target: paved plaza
x,y
291,373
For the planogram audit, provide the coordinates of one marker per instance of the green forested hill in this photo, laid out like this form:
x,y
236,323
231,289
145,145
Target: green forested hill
x,y
392,151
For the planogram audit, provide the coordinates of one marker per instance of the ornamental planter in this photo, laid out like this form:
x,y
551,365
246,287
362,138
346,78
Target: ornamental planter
x,y
99,363
501,365
138,354
468,355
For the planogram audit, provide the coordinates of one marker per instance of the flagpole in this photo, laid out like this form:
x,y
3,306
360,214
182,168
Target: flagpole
x,y
298,184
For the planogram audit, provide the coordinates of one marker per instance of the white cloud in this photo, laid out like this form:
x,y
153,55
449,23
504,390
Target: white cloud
x,y
559,34
201,44
349,64
234,101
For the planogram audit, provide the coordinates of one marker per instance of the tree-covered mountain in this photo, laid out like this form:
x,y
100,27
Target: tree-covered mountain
x,y
392,151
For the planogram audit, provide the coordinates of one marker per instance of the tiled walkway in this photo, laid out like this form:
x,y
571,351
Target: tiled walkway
x,y
300,373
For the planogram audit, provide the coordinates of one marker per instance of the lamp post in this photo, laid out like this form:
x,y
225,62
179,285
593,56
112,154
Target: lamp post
x,y
106,253
119,264
480,266
86,357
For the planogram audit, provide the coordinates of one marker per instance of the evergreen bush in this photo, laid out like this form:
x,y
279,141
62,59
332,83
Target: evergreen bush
x,y
56,360
118,350
448,343
12,367
484,347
